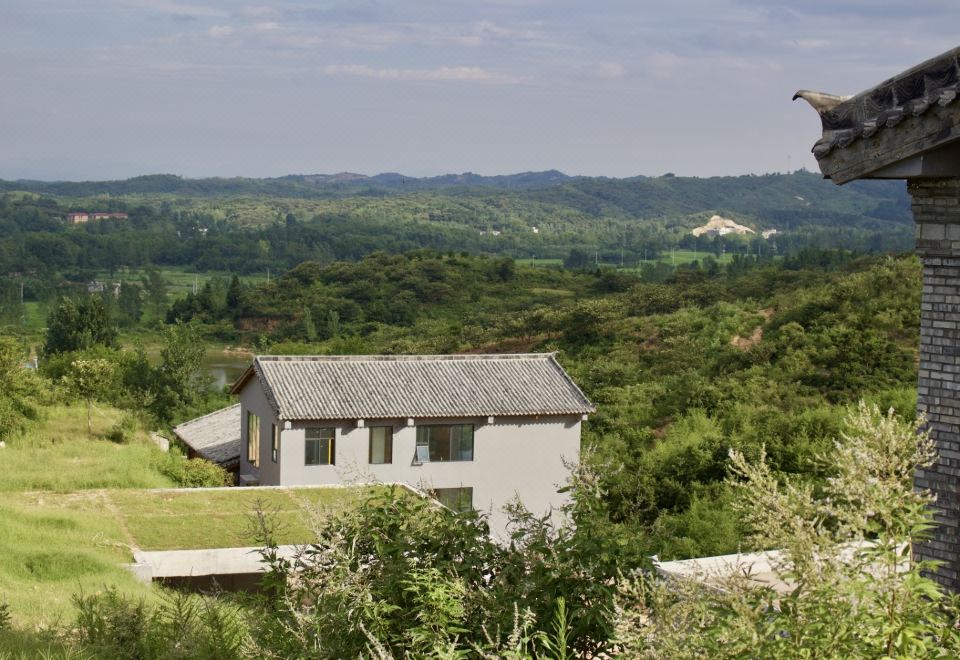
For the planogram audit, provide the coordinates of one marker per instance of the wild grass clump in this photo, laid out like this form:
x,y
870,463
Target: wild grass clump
x,y
111,625
58,455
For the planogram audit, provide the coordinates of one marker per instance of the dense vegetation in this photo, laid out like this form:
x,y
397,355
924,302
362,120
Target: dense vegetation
x,y
747,351
254,226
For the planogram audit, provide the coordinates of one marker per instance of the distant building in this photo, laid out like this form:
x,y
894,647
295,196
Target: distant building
x,y
82,216
96,286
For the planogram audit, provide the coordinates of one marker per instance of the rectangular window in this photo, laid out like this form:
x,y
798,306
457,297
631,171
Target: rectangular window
x,y
381,444
253,439
320,446
451,442
455,499
274,442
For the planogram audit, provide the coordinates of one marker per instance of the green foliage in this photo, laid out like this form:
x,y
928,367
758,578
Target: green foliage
x,y
75,325
851,586
195,472
402,576
177,382
181,626
124,430
87,379
5,616
21,391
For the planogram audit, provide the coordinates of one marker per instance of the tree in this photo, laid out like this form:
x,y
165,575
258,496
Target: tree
x,y
21,390
87,379
78,325
853,588
577,259
235,297
178,381
130,303
155,287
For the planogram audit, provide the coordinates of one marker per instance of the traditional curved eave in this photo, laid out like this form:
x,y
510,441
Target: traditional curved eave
x,y
904,127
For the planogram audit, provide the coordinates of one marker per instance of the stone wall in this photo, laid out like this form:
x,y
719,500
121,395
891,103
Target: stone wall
x,y
936,210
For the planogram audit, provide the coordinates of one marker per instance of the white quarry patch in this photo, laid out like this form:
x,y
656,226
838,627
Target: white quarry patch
x,y
767,233
720,226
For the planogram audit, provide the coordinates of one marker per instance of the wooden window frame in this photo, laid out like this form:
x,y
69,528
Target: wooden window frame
x,y
331,445
253,439
387,447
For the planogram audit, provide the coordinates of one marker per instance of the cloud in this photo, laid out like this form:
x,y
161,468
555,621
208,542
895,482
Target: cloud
x,y
443,73
266,26
219,31
611,70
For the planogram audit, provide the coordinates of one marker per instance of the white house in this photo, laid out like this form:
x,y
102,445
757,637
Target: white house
x,y
474,430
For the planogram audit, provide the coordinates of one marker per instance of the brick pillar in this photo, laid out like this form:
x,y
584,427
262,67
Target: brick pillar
x,y
936,210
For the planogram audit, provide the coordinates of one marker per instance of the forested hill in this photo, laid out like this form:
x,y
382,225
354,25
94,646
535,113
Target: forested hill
x,y
635,196
251,225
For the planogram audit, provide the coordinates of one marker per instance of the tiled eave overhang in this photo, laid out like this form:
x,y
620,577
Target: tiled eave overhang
x,y
904,127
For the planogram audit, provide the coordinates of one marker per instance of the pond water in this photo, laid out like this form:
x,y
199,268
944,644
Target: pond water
x,y
224,367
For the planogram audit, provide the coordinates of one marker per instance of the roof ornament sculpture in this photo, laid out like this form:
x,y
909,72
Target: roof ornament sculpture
x,y
819,101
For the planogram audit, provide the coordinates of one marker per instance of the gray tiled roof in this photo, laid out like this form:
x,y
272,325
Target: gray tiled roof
x,y
215,436
379,387
909,94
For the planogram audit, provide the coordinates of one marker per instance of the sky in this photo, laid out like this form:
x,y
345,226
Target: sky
x,y
101,89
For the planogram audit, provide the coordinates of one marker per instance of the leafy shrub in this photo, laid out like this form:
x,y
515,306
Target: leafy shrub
x,y
399,576
182,626
852,586
201,473
194,472
124,430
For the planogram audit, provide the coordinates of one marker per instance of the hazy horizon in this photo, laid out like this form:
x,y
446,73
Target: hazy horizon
x,y
111,89
425,176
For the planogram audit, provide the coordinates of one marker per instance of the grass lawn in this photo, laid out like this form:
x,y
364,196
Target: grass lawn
x,y
73,508
57,544
58,455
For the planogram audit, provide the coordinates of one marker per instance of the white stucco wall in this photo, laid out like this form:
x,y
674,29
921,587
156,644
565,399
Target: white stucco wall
x,y
513,457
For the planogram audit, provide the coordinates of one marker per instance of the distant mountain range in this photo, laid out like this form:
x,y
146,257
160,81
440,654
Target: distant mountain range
x,y
292,185
780,198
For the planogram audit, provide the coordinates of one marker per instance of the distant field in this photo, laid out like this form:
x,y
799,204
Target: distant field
x,y
674,257
181,281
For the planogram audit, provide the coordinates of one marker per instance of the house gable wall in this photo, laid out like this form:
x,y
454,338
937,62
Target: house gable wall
x,y
253,399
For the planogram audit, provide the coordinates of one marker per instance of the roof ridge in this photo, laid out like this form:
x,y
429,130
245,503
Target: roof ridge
x,y
457,357
209,414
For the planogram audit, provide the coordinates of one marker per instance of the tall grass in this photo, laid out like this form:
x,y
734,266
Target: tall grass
x,y
58,455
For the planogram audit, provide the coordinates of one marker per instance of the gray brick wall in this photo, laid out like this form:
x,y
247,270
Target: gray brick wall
x,y
936,210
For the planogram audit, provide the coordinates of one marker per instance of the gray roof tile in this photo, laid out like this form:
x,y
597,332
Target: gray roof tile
x,y
215,436
379,387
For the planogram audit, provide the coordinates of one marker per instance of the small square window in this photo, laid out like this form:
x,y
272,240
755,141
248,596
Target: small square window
x,y
320,446
455,499
381,444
